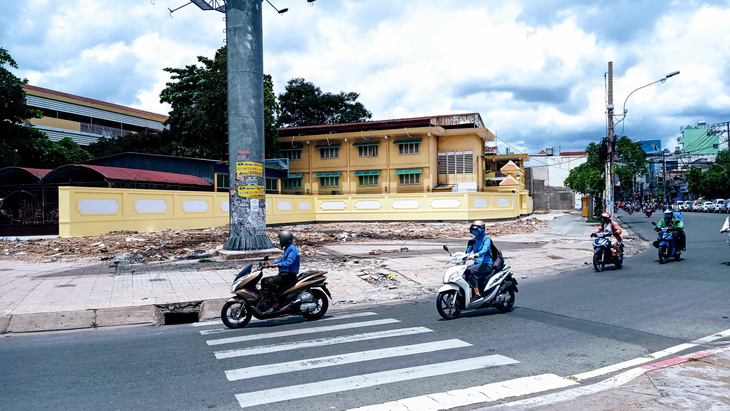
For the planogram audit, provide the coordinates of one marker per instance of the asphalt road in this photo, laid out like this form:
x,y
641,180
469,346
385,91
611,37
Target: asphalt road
x,y
564,325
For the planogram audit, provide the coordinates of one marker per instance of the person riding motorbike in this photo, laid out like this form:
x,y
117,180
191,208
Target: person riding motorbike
x,y
680,233
480,251
671,221
288,266
607,224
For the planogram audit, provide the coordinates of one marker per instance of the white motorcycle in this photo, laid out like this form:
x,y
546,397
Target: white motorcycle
x,y
498,290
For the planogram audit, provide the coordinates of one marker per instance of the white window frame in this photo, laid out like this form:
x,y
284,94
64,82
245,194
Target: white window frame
x,y
328,153
367,151
406,149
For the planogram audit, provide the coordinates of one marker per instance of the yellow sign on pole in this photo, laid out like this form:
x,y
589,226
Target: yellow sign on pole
x,y
253,192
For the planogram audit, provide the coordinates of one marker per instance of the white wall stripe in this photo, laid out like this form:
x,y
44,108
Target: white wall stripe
x,y
320,342
310,330
251,399
339,317
335,360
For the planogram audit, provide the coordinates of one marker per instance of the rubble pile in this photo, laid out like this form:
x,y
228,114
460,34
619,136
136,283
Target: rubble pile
x,y
195,244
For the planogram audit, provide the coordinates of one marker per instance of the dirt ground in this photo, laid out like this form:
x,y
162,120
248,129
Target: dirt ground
x,y
197,244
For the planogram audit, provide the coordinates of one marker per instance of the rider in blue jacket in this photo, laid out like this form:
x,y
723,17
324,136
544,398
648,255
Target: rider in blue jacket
x,y
481,252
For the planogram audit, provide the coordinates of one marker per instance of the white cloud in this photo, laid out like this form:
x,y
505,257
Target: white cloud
x,y
534,72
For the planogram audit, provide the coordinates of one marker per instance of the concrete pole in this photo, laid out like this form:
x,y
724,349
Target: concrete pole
x,y
247,210
608,196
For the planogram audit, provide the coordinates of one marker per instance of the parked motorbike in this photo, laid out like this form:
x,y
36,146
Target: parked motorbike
x,y
308,296
666,243
603,253
498,291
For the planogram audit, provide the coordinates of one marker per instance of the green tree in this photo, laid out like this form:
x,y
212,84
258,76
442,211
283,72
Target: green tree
x,y
694,180
304,104
144,142
21,145
587,177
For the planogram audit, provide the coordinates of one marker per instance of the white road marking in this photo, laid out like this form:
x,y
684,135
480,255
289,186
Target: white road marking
x,y
251,399
310,330
633,363
349,358
339,317
713,337
475,395
265,349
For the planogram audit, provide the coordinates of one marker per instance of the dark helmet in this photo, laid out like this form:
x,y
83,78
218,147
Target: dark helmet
x,y
605,217
477,227
285,238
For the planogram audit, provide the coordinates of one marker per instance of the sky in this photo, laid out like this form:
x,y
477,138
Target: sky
x,y
534,70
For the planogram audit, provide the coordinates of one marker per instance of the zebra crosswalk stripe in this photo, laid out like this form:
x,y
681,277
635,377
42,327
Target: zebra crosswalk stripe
x,y
251,399
310,330
339,317
319,342
349,358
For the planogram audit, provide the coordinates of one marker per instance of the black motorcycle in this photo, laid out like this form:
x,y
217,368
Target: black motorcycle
x,y
307,296
603,253
648,211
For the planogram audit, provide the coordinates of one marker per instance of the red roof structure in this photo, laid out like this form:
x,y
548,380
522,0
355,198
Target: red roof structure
x,y
22,175
67,172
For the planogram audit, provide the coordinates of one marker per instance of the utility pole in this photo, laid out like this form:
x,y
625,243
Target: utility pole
x,y
664,177
608,192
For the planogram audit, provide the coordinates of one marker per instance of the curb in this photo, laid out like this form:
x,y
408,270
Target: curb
x,y
150,314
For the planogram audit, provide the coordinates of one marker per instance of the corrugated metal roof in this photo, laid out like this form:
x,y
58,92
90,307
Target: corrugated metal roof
x,y
9,175
131,174
91,101
428,121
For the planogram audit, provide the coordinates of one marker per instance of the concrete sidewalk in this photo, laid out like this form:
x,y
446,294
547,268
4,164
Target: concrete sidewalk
x,y
85,293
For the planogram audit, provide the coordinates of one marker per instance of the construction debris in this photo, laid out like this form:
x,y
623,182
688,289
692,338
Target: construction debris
x,y
196,244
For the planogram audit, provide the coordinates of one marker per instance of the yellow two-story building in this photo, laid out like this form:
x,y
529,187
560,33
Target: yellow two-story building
x,y
412,155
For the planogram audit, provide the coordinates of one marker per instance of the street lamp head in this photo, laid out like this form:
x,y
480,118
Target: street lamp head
x,y
672,74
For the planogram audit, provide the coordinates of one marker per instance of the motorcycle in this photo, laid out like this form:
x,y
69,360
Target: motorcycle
x,y
307,296
648,211
498,291
666,244
603,253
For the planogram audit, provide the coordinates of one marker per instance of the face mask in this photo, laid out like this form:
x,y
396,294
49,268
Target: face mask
x,y
474,232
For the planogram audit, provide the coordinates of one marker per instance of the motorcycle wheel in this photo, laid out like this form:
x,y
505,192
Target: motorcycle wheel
x,y
447,304
619,263
507,305
322,304
677,256
598,263
662,259
235,314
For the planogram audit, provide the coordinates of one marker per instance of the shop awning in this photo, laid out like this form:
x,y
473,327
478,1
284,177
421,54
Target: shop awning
x,y
335,174
408,141
290,148
296,175
366,143
412,171
333,145
367,173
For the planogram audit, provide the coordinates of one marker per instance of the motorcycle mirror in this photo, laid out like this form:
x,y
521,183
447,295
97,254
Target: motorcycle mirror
x,y
653,223
266,258
446,248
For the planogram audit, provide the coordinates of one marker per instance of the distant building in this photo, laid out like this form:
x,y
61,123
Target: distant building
x,y
696,141
411,155
548,170
86,120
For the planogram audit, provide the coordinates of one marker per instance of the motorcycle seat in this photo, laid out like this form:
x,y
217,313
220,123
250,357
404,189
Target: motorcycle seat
x,y
310,273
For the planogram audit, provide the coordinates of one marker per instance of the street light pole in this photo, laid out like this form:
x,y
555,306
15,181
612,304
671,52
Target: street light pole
x,y
611,135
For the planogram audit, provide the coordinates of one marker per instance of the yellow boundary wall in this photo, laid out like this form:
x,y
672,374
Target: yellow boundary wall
x,y
85,211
